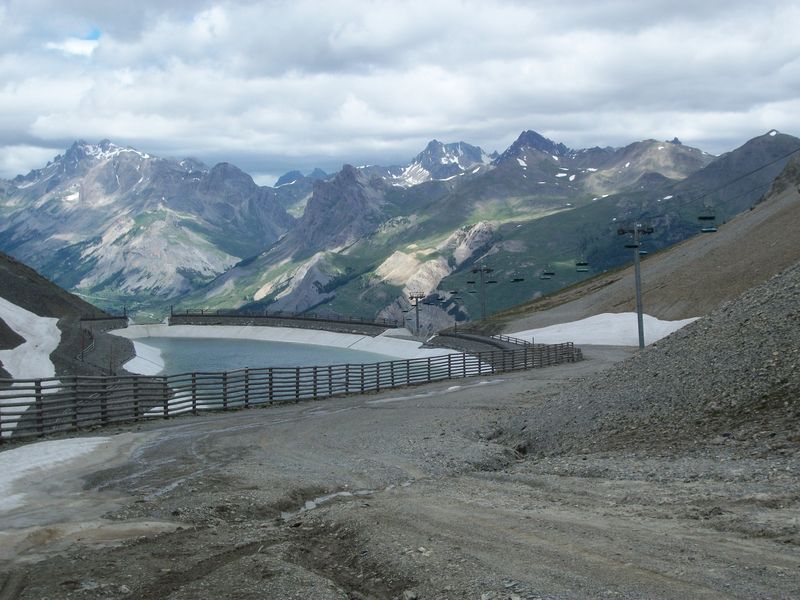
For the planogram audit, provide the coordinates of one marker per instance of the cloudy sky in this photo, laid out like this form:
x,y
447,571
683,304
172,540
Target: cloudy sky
x,y
274,85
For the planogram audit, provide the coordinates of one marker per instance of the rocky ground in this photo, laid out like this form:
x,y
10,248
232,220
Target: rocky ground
x,y
669,473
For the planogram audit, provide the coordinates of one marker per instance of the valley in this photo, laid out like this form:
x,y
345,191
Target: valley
x,y
129,230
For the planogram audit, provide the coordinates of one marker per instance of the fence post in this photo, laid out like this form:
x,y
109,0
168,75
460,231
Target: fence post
x,y
377,377
408,371
74,387
464,364
194,393
314,375
269,386
449,366
297,384
104,402
330,380
135,398
347,378
391,373
37,387
165,395
224,390
246,387
429,369
362,378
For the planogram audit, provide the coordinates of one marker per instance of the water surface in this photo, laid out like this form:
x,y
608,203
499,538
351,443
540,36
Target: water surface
x,y
184,355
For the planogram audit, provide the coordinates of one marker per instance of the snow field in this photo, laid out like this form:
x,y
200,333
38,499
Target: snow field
x,y
607,329
39,461
31,359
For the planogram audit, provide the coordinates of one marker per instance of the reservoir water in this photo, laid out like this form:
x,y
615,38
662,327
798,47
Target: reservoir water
x,y
184,355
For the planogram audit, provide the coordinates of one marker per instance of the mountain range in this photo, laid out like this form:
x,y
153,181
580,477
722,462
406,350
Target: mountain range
x,y
121,226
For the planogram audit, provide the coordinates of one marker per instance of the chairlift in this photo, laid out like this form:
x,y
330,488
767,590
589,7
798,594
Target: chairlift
x,y
548,270
643,252
453,291
707,220
517,279
492,281
581,266
470,283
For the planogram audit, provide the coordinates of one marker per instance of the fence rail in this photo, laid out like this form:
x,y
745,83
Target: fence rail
x,y
279,314
34,407
512,340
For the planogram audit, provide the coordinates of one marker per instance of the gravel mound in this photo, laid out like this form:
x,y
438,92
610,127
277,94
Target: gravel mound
x,y
732,377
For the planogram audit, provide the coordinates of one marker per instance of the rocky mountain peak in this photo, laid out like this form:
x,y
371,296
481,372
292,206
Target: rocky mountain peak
x,y
531,140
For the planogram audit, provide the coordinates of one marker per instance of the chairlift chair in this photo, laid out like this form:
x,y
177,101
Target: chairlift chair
x,y
707,220
581,266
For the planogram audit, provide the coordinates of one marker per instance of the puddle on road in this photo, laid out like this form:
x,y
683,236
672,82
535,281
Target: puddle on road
x,y
450,390
316,502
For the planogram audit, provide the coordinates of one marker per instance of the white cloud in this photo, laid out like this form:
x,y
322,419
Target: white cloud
x,y
74,46
277,85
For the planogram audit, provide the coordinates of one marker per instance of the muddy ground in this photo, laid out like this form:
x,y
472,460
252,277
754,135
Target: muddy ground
x,y
422,502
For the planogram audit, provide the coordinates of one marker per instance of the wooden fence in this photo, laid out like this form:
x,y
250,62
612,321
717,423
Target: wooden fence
x,y
34,407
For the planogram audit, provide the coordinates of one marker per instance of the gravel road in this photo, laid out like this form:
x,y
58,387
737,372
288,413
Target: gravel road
x,y
412,493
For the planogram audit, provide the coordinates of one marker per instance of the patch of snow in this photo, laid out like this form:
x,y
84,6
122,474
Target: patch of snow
x,y
661,147
293,181
611,329
522,163
38,462
667,198
604,196
773,133
572,177
475,170
591,169
564,168
30,360
561,174
542,182
147,360
627,164
554,157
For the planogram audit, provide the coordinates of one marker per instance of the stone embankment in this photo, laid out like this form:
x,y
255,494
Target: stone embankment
x,y
732,378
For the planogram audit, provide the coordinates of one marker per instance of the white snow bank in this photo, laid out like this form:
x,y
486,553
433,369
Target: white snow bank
x,y
382,344
609,329
37,462
148,360
31,359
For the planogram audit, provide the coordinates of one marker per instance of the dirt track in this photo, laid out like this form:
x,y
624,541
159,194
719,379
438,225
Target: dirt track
x,y
428,504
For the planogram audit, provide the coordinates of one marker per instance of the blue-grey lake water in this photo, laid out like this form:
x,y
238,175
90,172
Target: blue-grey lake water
x,y
185,355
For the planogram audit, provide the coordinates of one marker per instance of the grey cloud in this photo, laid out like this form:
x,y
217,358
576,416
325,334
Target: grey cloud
x,y
276,85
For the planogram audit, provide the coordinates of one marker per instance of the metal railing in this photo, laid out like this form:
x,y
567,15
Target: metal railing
x,y
34,407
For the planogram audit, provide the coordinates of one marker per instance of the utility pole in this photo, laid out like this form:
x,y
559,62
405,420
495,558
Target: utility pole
x,y
415,297
637,230
481,270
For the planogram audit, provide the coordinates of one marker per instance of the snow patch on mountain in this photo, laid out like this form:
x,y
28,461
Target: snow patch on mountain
x,y
31,359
